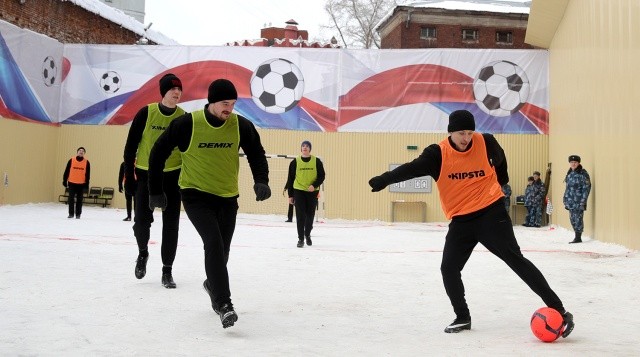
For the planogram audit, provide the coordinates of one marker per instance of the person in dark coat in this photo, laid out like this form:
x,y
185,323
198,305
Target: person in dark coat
x,y
576,194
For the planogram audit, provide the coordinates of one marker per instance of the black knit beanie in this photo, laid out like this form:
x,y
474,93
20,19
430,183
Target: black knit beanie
x,y
169,81
461,120
222,89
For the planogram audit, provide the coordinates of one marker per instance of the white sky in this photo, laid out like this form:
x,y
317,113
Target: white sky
x,y
197,22
213,23
373,288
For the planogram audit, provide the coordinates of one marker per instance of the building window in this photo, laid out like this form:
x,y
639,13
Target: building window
x,y
504,37
428,32
469,35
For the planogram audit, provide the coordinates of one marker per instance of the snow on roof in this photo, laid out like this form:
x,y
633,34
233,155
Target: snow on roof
x,y
503,6
117,16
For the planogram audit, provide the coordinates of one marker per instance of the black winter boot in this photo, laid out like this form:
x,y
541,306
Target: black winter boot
x,y
577,239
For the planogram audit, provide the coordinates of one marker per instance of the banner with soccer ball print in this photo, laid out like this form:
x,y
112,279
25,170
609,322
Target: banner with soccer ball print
x,y
279,88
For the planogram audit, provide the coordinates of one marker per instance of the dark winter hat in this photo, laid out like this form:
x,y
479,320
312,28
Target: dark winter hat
x,y
85,150
169,81
461,120
574,158
222,89
536,173
306,142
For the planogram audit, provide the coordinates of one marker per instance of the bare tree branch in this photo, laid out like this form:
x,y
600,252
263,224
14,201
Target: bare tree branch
x,y
355,20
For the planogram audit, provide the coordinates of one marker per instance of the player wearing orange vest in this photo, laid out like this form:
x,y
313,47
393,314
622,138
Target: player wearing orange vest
x,y
469,168
76,178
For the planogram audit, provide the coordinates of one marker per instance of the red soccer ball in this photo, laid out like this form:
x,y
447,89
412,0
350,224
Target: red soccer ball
x,y
546,324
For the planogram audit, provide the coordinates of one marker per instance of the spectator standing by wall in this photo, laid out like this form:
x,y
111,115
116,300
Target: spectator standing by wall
x,y
127,196
538,199
289,205
506,190
529,194
76,179
578,187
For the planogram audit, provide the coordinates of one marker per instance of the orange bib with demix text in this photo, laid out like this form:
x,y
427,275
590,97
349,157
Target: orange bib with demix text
x,y
467,181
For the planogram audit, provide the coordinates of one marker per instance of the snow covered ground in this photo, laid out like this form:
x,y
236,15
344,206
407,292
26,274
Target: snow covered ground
x,y
363,289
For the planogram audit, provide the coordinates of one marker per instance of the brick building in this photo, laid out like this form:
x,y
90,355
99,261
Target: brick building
x,y
456,24
288,36
77,22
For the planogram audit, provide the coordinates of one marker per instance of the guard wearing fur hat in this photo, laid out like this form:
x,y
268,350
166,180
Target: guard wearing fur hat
x,y
209,140
148,124
576,194
469,168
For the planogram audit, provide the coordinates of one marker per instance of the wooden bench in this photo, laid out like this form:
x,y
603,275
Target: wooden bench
x,y
95,195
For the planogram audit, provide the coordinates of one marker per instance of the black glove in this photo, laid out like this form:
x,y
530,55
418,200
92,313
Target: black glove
x,y
130,185
377,183
159,201
262,191
120,189
64,184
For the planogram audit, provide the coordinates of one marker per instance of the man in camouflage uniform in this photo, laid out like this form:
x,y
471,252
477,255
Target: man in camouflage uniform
x,y
576,195
538,199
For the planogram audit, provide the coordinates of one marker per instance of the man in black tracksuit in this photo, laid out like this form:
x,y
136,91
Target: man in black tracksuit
x,y
146,127
469,168
209,140
306,174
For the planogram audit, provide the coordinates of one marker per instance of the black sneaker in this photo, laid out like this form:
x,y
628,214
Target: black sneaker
x,y
167,281
300,243
308,239
206,287
141,266
567,324
70,216
458,325
127,219
78,217
228,316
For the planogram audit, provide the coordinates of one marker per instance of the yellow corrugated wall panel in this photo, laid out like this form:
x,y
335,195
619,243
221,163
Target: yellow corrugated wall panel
x,y
594,88
25,159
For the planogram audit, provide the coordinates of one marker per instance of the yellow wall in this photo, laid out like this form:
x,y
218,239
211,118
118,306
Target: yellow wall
x,y
26,160
350,160
594,78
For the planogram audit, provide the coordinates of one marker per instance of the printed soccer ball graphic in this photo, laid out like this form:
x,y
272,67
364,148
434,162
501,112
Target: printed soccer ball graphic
x,y
501,88
49,71
277,86
110,82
